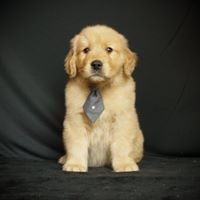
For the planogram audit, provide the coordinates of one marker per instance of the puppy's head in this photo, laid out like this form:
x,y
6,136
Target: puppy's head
x,y
99,53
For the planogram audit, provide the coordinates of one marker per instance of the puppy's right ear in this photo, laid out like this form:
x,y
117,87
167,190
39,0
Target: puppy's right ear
x,y
70,64
70,60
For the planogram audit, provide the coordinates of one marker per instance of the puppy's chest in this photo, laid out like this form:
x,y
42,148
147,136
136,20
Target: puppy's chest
x,y
100,136
99,144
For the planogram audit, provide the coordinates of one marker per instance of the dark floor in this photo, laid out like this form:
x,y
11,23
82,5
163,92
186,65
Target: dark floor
x,y
166,178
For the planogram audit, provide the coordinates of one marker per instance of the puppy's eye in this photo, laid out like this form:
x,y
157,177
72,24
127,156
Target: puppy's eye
x,y
86,50
109,49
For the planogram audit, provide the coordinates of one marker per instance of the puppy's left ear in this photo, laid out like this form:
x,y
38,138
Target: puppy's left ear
x,y
130,62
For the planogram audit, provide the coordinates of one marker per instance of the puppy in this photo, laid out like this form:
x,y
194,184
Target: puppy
x,y
101,63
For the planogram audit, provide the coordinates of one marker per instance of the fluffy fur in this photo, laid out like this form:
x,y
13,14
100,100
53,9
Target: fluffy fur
x,y
115,139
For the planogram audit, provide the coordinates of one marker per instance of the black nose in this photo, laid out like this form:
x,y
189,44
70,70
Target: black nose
x,y
96,65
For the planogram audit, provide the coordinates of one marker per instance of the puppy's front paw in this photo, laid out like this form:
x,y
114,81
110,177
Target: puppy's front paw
x,y
74,168
126,167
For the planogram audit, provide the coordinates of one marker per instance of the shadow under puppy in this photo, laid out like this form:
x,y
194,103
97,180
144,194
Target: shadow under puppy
x,y
101,125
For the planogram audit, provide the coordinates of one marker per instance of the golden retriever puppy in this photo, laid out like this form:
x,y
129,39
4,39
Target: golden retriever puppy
x,y
99,65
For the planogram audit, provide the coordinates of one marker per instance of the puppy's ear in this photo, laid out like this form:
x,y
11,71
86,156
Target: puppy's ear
x,y
70,60
70,64
130,62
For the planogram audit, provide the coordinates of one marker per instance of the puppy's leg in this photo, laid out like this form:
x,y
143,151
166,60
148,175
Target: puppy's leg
x,y
122,147
76,145
138,146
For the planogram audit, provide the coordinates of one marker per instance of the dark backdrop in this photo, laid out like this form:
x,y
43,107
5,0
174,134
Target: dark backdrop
x,y
34,38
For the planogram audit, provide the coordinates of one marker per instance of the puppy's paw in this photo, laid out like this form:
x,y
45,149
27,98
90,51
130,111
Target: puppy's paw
x,y
126,167
62,160
74,168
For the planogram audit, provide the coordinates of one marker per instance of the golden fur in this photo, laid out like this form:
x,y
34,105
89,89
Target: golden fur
x,y
115,138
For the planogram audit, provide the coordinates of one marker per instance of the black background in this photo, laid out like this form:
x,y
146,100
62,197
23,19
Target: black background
x,y
34,38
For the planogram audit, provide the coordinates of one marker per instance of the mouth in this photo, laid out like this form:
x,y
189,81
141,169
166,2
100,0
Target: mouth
x,y
97,77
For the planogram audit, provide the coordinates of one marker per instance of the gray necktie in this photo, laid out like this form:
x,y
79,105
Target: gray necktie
x,y
93,106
